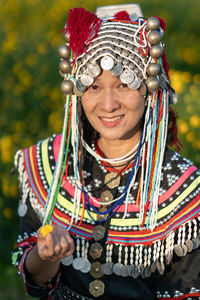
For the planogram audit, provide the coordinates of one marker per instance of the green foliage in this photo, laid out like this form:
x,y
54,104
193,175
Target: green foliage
x,y
32,104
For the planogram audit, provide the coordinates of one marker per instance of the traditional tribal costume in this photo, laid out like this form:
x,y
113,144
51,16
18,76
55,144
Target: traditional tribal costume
x,y
136,229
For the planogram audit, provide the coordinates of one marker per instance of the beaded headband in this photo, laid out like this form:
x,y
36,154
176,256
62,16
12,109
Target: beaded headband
x,y
130,49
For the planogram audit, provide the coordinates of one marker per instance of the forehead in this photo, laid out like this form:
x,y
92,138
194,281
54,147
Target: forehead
x,y
107,77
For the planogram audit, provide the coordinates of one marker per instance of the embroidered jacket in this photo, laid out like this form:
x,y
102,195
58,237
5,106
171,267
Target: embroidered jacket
x,y
135,262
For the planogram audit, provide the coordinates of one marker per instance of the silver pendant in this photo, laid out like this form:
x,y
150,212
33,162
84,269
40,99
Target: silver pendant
x,y
80,86
196,243
86,266
68,260
107,268
125,271
161,267
135,271
78,263
117,268
147,272
178,250
127,76
184,247
94,70
107,63
22,209
153,267
117,69
87,80
135,84
189,245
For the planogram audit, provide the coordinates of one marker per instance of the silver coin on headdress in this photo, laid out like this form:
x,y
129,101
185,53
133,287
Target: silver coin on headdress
x,y
117,69
86,266
127,76
86,79
107,62
135,84
80,86
94,70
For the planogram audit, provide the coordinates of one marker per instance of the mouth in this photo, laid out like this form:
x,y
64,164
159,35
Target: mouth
x,y
111,121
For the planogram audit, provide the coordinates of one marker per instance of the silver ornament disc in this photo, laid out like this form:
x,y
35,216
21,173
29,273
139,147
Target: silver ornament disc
x,y
161,267
135,271
125,271
117,69
86,79
22,209
135,84
147,272
86,266
107,268
78,263
178,250
80,86
127,76
117,268
94,70
107,63
189,245
68,260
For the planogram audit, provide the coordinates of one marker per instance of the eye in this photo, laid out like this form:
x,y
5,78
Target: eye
x,y
123,85
94,87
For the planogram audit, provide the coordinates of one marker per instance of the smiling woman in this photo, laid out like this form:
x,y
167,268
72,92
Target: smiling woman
x,y
115,112
108,211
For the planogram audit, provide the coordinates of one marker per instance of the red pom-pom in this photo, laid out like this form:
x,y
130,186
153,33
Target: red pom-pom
x,y
83,27
122,16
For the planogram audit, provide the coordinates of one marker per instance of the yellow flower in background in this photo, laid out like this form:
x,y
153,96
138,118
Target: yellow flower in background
x,y
190,56
196,78
9,45
195,121
5,149
183,127
190,137
7,213
190,109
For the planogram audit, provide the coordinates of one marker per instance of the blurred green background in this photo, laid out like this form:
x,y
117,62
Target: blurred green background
x,y
32,104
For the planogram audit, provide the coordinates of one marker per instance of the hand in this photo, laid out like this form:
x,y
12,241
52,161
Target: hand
x,y
55,245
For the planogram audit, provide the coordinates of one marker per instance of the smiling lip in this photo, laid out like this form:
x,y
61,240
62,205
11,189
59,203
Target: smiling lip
x,y
111,122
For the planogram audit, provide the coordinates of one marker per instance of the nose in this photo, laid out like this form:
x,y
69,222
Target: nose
x,y
109,101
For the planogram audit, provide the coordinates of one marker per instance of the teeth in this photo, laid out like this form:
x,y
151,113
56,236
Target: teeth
x,y
111,120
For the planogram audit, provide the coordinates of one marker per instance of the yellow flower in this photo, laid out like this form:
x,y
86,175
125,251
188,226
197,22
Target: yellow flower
x,y
183,127
195,121
46,230
7,213
190,136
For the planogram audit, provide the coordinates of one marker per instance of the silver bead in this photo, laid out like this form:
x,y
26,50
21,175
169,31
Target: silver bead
x,y
65,66
154,37
64,51
153,69
152,23
152,84
66,37
67,87
173,98
156,51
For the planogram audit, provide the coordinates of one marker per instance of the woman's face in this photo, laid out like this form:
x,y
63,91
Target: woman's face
x,y
114,110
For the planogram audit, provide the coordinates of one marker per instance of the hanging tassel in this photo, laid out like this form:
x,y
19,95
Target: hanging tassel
x,y
122,16
83,27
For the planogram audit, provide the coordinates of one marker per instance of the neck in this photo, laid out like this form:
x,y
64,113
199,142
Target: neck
x,y
118,148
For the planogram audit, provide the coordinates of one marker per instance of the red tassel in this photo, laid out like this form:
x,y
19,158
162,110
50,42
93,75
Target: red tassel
x,y
83,27
175,141
122,16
